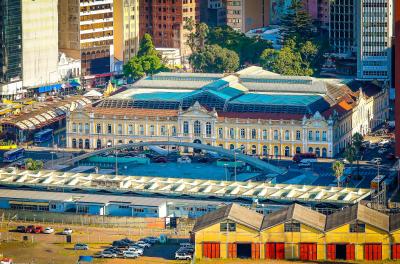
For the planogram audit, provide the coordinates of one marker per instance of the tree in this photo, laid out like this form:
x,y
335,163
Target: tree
x,y
248,49
146,47
214,59
34,165
148,60
297,23
338,169
196,38
289,60
356,141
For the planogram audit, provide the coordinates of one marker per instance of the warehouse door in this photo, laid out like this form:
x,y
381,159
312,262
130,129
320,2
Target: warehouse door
x,y
243,250
211,250
308,251
232,250
350,252
255,251
275,250
373,251
340,251
396,251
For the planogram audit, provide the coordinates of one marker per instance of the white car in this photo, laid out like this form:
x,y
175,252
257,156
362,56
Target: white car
x,y
106,254
142,244
382,150
67,231
302,164
184,159
48,230
376,161
130,254
138,250
183,255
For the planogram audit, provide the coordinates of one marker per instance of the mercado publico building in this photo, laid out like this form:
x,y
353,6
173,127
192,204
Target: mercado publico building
x,y
262,112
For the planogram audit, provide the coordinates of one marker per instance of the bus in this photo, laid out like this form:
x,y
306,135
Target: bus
x,y
305,157
13,155
43,135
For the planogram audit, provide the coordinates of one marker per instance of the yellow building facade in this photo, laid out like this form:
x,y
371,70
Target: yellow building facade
x,y
353,233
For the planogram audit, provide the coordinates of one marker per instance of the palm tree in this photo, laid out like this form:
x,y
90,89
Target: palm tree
x,y
338,169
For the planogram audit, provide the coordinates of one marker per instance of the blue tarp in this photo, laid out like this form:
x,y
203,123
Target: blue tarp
x,y
74,84
48,88
83,259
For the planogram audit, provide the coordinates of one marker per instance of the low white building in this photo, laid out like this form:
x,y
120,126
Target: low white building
x,y
171,56
68,67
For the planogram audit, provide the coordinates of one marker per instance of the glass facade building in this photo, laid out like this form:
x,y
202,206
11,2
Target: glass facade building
x,y
10,41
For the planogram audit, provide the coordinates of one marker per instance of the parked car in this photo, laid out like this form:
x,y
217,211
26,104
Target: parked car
x,y
30,229
81,246
135,249
21,229
48,230
107,254
67,231
390,156
376,161
184,159
38,230
302,164
160,159
130,254
182,255
143,244
152,240
382,150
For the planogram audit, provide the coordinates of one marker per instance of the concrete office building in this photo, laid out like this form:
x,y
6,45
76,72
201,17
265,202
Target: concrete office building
x,y
10,49
86,32
244,15
374,39
39,42
126,29
164,21
213,12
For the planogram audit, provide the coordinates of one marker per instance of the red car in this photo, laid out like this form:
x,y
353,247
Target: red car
x,y
30,229
38,230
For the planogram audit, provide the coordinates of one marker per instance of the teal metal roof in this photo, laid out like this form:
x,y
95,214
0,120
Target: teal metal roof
x,y
277,99
160,96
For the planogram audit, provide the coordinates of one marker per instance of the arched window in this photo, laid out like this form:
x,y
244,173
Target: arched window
x,y
98,144
287,151
265,150
81,143
120,141
253,134
220,132
310,135
173,128
208,129
298,150
98,129
317,136
87,144
185,128
197,128
232,133
265,134
109,129
253,149
324,136
130,141
242,133
287,135
310,150
324,153
231,146
152,132
318,152
221,145
163,131
73,143
276,151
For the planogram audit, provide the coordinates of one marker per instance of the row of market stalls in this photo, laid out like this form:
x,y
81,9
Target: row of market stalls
x,y
39,115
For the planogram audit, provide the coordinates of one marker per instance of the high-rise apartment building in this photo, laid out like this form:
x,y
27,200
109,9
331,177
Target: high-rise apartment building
x,y
213,12
397,75
374,39
86,32
10,48
126,29
39,43
164,20
342,28
318,10
244,15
